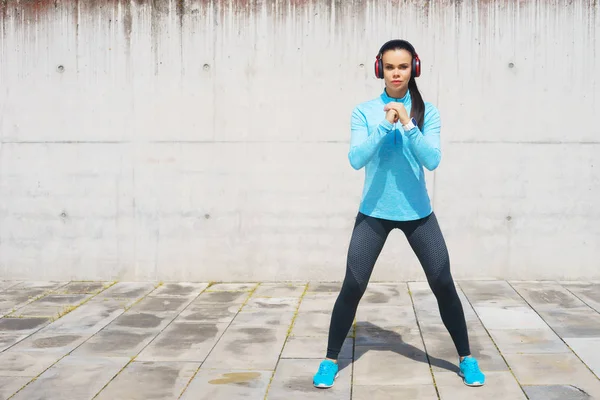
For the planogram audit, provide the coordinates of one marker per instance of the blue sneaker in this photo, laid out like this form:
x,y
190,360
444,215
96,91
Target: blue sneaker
x,y
469,371
328,371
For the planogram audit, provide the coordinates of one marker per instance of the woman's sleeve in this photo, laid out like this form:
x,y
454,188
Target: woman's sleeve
x,y
362,145
426,145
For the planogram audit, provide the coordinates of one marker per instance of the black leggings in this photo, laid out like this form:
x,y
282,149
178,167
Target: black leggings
x,y
426,240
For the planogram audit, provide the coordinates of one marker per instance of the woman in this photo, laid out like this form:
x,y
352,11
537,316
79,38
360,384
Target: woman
x,y
395,196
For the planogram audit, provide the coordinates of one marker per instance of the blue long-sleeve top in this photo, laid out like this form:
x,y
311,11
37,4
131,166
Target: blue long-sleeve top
x,y
394,186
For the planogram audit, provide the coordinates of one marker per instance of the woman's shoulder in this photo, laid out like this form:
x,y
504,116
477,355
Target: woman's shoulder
x,y
368,105
368,109
431,108
432,114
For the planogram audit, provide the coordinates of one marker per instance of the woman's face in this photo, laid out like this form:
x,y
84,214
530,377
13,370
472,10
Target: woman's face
x,y
397,65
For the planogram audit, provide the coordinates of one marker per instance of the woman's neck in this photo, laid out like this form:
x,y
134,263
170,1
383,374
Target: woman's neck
x,y
396,94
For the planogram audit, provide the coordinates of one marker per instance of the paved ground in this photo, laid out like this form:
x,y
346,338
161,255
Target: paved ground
x,y
106,340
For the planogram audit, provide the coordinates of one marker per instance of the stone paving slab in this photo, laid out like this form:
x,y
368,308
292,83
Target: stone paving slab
x,y
184,341
588,350
555,392
553,369
128,290
501,385
22,326
180,289
91,317
248,347
9,385
210,384
152,340
8,340
394,364
51,306
89,287
293,380
27,363
150,380
43,342
589,293
421,392
7,284
73,378
528,341
278,290
222,297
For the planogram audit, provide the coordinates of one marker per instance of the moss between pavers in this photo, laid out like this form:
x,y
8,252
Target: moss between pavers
x,y
288,333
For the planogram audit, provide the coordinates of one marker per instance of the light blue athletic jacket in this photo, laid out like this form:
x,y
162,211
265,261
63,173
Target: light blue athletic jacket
x,y
394,186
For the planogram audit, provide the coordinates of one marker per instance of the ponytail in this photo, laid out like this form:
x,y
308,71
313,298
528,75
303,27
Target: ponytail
x,y
417,110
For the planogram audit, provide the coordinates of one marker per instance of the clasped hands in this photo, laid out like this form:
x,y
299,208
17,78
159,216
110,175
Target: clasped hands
x,y
396,112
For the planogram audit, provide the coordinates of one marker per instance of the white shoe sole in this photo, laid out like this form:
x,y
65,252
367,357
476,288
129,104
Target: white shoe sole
x,y
323,386
474,384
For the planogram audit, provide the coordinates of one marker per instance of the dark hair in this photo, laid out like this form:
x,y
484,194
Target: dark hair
x,y
418,105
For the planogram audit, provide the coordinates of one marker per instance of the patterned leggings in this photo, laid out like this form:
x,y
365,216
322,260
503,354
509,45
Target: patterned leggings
x,y
426,240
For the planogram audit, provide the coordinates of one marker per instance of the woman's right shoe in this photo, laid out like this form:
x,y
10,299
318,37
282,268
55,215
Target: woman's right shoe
x,y
469,371
328,371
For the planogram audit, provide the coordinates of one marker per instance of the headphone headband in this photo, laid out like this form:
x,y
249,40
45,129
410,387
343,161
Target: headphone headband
x,y
396,43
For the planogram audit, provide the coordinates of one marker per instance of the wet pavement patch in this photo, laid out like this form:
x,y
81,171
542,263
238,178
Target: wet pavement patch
x,y
221,297
187,334
159,304
237,378
555,392
139,320
55,341
21,324
252,337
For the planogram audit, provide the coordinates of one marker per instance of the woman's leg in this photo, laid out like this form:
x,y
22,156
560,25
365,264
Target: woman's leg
x,y
427,241
368,237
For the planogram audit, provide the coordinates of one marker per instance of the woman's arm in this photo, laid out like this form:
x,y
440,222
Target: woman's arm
x,y
362,145
426,145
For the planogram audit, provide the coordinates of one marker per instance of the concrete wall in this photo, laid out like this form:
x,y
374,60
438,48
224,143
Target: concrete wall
x,y
208,140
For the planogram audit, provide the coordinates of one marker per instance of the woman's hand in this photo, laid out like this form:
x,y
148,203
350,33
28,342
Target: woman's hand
x,y
400,111
392,116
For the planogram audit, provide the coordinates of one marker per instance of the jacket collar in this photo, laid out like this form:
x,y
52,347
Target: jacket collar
x,y
406,100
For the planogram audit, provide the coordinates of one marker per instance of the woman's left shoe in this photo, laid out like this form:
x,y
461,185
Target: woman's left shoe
x,y
469,371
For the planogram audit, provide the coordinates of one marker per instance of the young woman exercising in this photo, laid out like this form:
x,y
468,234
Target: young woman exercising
x,y
395,196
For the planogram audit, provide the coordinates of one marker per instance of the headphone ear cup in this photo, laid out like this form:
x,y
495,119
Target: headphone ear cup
x,y
416,67
379,68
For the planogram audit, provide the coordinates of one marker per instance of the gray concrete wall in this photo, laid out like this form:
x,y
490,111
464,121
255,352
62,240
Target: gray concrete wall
x,y
208,140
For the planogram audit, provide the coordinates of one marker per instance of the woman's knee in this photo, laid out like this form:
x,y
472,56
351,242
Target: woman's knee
x,y
352,291
443,285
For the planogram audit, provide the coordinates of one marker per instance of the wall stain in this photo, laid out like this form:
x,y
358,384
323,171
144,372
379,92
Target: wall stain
x,y
303,11
180,10
3,15
128,23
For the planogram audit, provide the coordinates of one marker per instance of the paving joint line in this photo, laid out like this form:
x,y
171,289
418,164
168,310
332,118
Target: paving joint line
x,y
57,361
578,298
125,309
250,294
423,340
32,299
492,339
559,336
287,336
131,359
